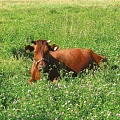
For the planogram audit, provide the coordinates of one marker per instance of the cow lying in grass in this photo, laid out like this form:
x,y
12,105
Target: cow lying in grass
x,y
51,60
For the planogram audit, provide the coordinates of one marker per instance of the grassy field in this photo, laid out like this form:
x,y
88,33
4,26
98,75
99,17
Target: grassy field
x,y
74,23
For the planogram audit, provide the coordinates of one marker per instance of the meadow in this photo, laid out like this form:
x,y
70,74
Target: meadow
x,y
74,23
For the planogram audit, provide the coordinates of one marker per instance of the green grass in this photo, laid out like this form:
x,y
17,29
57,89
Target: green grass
x,y
93,25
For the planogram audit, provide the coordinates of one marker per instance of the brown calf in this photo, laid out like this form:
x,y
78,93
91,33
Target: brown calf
x,y
73,59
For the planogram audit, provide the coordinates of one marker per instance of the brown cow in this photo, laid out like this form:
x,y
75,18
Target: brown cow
x,y
73,59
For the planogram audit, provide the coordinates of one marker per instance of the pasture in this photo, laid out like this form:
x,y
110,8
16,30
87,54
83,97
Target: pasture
x,y
74,23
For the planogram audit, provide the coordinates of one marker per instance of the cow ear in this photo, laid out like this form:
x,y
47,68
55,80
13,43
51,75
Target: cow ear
x,y
34,42
54,47
29,48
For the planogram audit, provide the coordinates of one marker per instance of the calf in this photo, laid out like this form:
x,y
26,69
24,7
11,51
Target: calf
x,y
52,60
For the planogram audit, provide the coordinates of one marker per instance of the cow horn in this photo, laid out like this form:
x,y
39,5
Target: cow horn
x,y
48,41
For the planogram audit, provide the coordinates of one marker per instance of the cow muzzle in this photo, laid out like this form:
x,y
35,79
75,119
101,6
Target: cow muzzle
x,y
41,64
41,67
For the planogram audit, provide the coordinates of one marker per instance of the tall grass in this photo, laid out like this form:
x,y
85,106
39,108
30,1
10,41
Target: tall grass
x,y
88,25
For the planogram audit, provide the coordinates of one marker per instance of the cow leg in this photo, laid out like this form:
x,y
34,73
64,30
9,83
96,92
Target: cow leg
x,y
53,75
54,80
30,81
35,76
33,79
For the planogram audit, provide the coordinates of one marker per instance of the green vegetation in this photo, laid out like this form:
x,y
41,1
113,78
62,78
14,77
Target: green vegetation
x,y
83,25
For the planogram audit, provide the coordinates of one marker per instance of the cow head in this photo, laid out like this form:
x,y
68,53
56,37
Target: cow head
x,y
41,50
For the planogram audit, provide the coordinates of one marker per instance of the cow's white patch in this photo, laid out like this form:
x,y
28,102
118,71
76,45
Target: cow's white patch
x,y
55,48
48,41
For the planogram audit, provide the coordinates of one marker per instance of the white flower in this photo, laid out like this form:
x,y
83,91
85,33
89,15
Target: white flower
x,y
29,91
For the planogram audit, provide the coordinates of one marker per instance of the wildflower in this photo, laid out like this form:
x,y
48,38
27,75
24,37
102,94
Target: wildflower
x,y
28,94
38,107
71,110
83,117
76,112
62,113
68,101
51,98
109,114
3,98
114,84
33,104
91,95
91,87
102,112
76,104
68,108
63,105
82,80
99,88
56,88
29,91
70,104
56,112
118,114
9,115
97,93
18,116
95,116
15,101
66,91
17,110
48,112
24,98
58,85
82,86
90,113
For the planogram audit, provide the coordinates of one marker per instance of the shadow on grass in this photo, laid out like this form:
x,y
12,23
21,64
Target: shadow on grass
x,y
18,53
